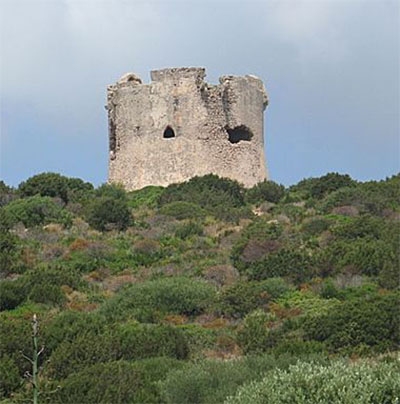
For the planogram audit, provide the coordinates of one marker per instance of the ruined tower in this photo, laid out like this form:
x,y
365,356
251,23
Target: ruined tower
x,y
179,126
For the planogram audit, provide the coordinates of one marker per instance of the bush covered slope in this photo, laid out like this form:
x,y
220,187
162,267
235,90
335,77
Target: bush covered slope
x,y
201,292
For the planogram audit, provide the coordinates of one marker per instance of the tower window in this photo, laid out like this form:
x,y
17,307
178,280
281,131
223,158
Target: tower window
x,y
239,133
168,132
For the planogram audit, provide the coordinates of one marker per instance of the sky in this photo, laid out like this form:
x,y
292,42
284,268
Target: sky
x,y
330,67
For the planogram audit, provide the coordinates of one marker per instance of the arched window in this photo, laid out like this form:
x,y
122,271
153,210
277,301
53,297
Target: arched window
x,y
168,132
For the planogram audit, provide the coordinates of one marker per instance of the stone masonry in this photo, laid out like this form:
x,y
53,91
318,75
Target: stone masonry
x,y
179,126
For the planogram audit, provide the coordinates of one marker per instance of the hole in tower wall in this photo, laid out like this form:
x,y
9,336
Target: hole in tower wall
x,y
239,133
168,133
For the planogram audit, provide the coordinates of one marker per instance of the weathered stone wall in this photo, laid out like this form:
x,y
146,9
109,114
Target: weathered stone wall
x,y
179,126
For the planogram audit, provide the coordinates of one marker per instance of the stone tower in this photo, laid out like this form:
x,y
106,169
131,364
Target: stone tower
x,y
178,126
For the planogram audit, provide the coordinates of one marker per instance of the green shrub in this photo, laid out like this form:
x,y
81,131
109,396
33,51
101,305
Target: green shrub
x,y
338,383
35,211
117,382
186,230
242,297
253,336
265,191
315,226
211,381
108,213
218,196
371,323
143,301
10,253
9,376
182,210
54,185
12,294
145,198
130,341
319,187
298,265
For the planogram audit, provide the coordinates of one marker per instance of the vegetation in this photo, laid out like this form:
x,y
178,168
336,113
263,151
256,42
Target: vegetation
x,y
201,292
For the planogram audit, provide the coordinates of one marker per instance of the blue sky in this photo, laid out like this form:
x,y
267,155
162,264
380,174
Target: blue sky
x,y
331,68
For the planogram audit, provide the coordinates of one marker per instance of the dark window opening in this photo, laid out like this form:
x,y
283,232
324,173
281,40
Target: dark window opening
x,y
239,133
168,133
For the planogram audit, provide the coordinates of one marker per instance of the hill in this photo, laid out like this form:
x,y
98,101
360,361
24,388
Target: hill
x,y
201,292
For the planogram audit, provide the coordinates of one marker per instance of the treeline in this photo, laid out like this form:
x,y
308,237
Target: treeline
x,y
140,294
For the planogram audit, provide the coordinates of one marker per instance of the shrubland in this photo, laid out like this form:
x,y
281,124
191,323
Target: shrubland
x,y
201,292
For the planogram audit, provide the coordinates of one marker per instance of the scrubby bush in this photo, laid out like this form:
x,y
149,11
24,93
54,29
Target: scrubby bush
x,y
319,187
265,191
54,185
116,382
108,213
12,294
145,198
35,211
296,264
143,301
362,324
242,297
129,341
10,253
338,383
219,196
10,379
182,210
186,230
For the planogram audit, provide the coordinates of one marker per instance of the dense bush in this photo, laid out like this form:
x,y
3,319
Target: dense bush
x,y
182,210
338,383
362,324
129,341
219,196
296,264
319,187
108,213
35,211
144,301
10,253
10,379
54,185
265,191
186,230
116,382
242,297
211,381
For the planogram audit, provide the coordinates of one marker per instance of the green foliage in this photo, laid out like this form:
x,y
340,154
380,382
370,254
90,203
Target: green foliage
x,y
265,191
186,230
296,264
362,323
211,381
219,196
315,226
116,382
35,211
182,210
242,297
338,383
10,254
253,336
108,213
144,301
9,376
319,187
145,198
7,194
12,294
129,341
54,185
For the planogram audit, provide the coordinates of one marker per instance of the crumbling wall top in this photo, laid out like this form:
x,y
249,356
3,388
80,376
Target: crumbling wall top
x,y
196,73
